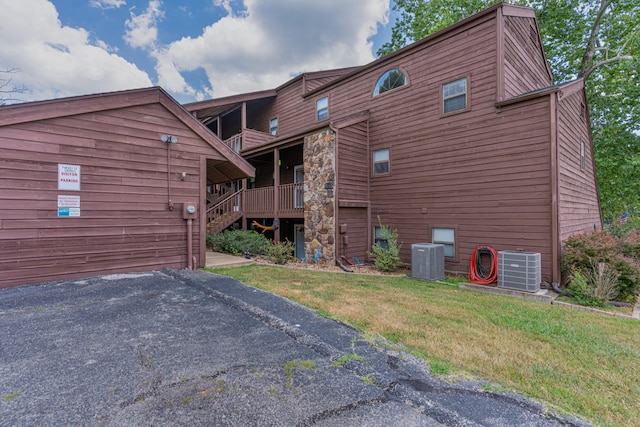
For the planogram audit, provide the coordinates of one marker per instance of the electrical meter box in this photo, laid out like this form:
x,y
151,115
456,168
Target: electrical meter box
x,y
189,210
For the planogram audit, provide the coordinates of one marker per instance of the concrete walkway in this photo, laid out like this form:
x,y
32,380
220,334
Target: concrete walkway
x,y
217,259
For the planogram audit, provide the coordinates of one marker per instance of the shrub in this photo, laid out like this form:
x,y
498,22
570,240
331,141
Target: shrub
x,y
237,242
595,286
280,252
596,258
386,258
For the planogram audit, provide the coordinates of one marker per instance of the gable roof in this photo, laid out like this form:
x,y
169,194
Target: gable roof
x,y
234,167
507,10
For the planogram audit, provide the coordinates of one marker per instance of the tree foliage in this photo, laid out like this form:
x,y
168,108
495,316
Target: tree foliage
x,y
598,40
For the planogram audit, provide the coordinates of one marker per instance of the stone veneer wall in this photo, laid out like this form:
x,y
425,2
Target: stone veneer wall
x,y
319,197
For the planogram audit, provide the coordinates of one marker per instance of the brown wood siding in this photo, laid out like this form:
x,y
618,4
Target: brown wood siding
x,y
524,62
353,162
488,179
579,210
289,159
353,189
353,242
288,109
313,83
125,224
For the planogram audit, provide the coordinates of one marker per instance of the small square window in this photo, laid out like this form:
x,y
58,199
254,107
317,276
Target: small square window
x,y
454,95
273,126
381,161
322,108
446,237
377,237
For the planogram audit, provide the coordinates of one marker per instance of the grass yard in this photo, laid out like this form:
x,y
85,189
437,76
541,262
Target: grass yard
x,y
581,363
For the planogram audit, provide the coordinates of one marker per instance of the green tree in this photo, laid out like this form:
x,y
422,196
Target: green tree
x,y
598,40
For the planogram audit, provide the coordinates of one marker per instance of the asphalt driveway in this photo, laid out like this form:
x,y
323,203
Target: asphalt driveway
x,y
192,348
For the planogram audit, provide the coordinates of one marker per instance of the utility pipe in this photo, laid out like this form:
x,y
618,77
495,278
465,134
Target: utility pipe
x,y
190,256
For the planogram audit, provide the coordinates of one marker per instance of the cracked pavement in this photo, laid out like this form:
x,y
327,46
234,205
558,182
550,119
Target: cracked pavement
x,y
193,348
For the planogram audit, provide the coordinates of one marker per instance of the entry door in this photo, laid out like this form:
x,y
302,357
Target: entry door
x,y
298,178
298,241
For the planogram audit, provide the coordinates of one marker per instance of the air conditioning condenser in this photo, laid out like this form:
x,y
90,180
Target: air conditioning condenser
x,y
427,261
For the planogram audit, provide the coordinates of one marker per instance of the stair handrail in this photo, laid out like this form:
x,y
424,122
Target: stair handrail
x,y
223,200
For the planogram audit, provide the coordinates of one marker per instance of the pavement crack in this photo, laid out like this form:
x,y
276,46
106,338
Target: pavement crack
x,y
335,412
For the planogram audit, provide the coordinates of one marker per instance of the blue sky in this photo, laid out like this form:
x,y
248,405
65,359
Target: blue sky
x,y
195,49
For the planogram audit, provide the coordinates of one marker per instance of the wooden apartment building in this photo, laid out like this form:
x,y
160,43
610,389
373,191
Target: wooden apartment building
x,y
460,138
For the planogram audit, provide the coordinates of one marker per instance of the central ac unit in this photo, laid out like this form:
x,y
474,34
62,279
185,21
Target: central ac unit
x,y
427,261
520,271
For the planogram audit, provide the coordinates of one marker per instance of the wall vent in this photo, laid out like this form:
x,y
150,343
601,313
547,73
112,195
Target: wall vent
x,y
427,261
521,271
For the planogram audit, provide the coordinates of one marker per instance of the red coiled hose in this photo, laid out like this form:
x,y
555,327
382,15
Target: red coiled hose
x,y
480,275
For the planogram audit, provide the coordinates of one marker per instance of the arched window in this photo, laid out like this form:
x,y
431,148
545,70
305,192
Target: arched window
x,y
390,80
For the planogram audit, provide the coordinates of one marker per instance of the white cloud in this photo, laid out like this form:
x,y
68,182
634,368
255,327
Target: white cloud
x,y
226,5
57,60
257,45
143,29
269,41
107,4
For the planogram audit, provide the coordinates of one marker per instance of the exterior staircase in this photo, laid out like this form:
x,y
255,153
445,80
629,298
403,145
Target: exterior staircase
x,y
224,212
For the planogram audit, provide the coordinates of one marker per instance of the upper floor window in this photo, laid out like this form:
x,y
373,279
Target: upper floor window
x,y
390,80
381,161
273,126
322,108
454,95
582,160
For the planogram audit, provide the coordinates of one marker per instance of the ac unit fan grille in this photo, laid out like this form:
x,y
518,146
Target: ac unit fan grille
x,y
519,271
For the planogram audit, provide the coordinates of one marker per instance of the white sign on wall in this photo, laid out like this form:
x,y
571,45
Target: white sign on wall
x,y
68,201
68,205
68,177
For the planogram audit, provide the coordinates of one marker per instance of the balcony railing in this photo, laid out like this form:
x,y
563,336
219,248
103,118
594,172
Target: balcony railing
x,y
247,139
260,201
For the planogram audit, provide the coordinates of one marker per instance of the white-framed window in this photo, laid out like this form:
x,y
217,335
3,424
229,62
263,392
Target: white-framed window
x,y
454,95
381,161
446,237
377,237
582,161
322,108
273,126
392,79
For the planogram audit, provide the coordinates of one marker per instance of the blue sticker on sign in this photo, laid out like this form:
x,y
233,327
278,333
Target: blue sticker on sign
x,y
68,211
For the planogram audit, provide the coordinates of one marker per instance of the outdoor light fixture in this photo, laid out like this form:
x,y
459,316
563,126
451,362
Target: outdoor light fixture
x,y
169,139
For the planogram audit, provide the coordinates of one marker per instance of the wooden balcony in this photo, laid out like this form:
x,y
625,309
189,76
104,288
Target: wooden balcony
x,y
247,139
261,202
256,203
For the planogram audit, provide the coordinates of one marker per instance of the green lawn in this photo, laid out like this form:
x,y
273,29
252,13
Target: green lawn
x,y
581,363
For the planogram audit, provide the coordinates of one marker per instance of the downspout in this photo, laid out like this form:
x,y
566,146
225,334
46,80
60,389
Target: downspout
x,y
169,173
555,226
336,203
190,257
